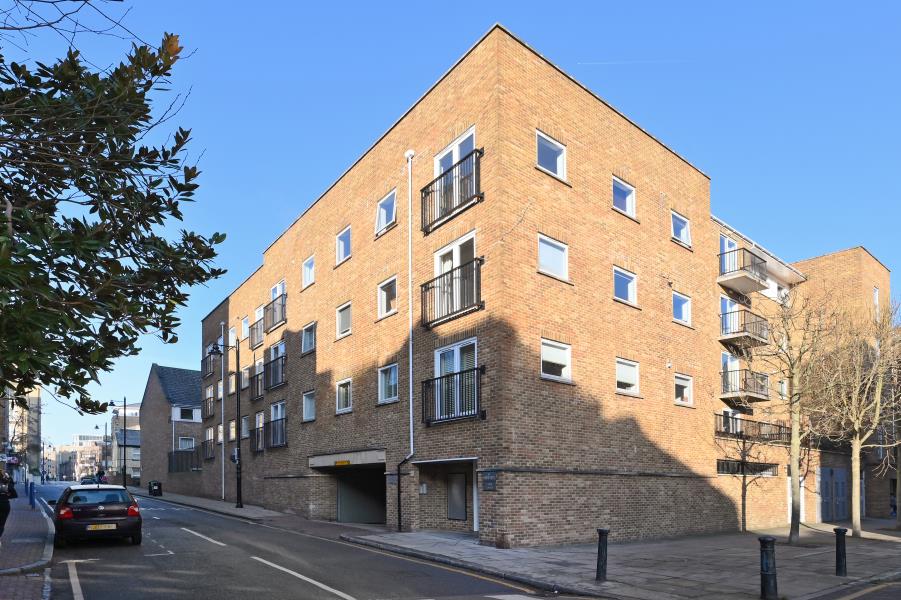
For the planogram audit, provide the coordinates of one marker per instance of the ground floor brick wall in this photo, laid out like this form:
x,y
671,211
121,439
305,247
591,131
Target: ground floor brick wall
x,y
433,504
180,483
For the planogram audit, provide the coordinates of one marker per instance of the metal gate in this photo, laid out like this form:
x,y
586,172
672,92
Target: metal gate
x,y
833,494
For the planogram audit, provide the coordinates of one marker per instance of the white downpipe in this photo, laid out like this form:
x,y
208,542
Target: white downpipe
x,y
222,403
409,154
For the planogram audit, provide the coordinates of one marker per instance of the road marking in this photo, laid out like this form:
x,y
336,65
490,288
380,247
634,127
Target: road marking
x,y
321,586
511,597
73,578
157,518
200,535
166,553
867,591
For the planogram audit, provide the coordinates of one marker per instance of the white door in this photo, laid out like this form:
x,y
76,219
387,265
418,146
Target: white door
x,y
456,391
456,186
456,286
729,318
728,262
730,372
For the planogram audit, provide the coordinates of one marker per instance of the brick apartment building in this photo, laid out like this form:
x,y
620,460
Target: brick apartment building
x,y
516,329
171,429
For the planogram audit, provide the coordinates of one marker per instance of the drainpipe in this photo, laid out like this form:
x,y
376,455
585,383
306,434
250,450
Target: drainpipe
x,y
408,155
222,404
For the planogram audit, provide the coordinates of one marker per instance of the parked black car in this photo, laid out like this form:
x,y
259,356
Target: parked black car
x,y
96,511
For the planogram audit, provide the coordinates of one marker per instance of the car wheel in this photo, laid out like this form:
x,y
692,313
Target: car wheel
x,y
59,541
136,539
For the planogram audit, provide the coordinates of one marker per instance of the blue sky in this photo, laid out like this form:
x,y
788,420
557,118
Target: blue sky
x,y
791,108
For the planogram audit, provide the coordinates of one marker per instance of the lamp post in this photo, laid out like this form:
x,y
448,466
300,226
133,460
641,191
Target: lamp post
x,y
217,351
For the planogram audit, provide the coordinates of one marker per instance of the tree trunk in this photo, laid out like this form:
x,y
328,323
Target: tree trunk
x,y
795,465
897,487
855,486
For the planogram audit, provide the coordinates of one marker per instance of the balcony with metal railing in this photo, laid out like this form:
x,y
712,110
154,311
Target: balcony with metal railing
x,y
276,433
742,270
745,385
256,333
453,397
452,294
453,191
731,426
208,449
743,328
256,386
185,461
208,408
275,372
207,364
257,439
275,313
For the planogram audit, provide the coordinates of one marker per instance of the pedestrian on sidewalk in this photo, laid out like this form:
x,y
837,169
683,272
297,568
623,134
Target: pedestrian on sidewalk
x,y
7,492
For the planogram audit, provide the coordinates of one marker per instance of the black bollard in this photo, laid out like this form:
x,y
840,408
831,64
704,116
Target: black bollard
x,y
601,572
841,557
768,568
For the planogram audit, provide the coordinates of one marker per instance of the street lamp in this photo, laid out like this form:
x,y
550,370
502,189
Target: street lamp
x,y
216,350
124,434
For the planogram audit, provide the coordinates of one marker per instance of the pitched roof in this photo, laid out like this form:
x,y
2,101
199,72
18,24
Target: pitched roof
x,y
133,438
181,386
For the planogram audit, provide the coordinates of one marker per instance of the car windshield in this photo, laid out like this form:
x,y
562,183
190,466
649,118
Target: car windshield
x,y
99,497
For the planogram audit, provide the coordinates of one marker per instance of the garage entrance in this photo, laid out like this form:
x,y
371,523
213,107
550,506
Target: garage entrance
x,y
361,495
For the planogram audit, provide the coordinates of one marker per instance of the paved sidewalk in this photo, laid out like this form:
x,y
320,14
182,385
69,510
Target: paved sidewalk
x,y
724,566
250,512
25,551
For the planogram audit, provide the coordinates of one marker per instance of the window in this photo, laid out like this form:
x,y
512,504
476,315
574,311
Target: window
x,y
245,378
551,155
258,420
185,443
385,213
186,414
245,328
388,384
208,434
626,376
277,411
309,271
681,229
245,427
308,338
623,197
624,285
232,336
681,308
556,360
219,389
343,396
277,290
684,390
456,389
309,406
387,297
737,467
342,246
219,433
232,430
553,257
208,392
876,301
231,383
342,321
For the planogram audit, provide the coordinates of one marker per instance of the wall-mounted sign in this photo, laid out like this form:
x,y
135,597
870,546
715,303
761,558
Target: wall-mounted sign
x,y
342,463
489,481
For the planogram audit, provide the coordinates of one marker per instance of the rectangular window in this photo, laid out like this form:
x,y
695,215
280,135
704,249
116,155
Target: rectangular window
x,y
388,384
245,427
219,433
277,411
342,246
231,383
232,430
186,414
681,229
684,390
626,376
309,406
208,434
277,290
245,328
556,360
232,336
342,321
185,443
309,271
219,389
737,467
876,300
623,197
245,378
344,396
259,420
308,338
624,286
551,155
208,392
553,257
387,297
385,213
681,308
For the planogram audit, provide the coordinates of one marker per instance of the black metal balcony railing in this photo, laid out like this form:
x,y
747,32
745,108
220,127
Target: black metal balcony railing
x,y
185,461
206,365
745,381
451,191
453,293
276,433
256,386
208,449
275,313
739,428
274,372
453,396
208,408
257,439
743,321
742,259
256,333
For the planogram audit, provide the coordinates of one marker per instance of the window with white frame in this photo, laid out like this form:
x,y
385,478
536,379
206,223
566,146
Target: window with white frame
x,y
876,301
208,392
219,389
623,197
231,383
245,328
308,338
626,376
245,378
556,360
344,396
551,155
386,212
232,430
553,257
342,320
681,229
387,297
388,384
277,410
259,420
684,392
186,414
624,285
185,443
342,246
277,290
245,427
208,434
258,313
681,308
309,406
309,271
219,433
232,336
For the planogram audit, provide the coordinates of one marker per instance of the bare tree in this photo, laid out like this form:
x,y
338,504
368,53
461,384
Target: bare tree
x,y
857,398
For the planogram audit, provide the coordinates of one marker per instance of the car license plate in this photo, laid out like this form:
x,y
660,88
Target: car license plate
x,y
101,527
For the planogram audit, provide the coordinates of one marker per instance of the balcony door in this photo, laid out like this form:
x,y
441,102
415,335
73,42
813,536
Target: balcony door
x,y
456,185
728,259
455,285
455,392
729,318
730,366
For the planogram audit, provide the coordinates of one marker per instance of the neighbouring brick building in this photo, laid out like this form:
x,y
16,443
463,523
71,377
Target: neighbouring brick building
x,y
513,314
170,429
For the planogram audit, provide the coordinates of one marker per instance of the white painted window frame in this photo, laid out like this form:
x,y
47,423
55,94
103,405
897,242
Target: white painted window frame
x,y
564,159
380,297
350,396
559,246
